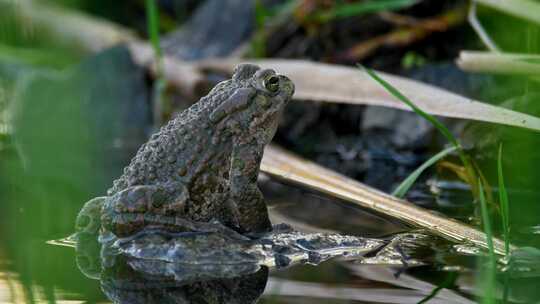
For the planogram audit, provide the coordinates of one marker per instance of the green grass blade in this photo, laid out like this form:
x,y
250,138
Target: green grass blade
x,y
153,25
152,16
345,10
489,279
406,184
503,199
442,128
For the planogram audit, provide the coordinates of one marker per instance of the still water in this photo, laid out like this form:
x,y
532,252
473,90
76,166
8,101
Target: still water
x,y
34,270
41,206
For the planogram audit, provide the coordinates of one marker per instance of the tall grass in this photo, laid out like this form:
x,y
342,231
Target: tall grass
x,y
489,279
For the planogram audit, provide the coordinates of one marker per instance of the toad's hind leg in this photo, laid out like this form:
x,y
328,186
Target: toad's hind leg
x,y
251,207
134,208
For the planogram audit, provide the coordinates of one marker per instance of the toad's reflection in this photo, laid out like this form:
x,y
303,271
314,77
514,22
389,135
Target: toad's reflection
x,y
211,265
151,282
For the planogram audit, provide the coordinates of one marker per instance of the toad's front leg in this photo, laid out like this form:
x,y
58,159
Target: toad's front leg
x,y
251,207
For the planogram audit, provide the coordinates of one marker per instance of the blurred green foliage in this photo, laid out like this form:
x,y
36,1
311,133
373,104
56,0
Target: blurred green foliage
x,y
73,132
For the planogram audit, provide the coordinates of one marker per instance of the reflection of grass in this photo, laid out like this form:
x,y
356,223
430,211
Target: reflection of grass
x,y
505,214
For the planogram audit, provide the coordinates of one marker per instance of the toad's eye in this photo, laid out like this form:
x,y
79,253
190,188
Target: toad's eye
x,y
272,84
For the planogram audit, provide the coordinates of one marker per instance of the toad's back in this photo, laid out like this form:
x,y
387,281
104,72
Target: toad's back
x,y
203,165
190,152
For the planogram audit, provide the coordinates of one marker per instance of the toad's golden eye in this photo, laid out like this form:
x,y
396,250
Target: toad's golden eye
x,y
272,83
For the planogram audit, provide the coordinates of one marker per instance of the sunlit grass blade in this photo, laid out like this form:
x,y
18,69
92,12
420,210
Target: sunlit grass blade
x,y
489,273
503,199
406,184
345,10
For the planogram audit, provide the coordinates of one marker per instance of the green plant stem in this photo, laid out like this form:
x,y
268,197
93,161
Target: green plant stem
x,y
160,83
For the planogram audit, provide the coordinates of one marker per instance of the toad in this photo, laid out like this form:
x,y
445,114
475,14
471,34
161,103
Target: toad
x,y
202,166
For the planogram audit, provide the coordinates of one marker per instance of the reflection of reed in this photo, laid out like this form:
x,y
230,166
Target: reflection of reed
x,y
414,292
